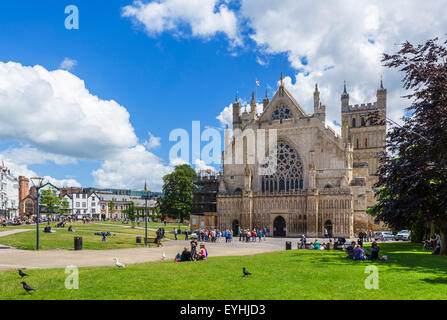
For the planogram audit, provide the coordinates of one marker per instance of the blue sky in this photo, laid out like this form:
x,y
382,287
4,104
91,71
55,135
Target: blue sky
x,y
167,79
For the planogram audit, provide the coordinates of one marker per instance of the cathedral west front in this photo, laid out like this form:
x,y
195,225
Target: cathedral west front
x,y
322,182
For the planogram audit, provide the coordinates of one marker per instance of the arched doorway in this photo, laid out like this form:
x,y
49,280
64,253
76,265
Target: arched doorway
x,y
328,227
279,227
235,228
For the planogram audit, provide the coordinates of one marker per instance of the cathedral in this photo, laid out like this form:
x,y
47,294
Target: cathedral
x,y
322,183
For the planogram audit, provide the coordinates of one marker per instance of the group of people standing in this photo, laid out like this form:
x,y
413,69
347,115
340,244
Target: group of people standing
x,y
253,235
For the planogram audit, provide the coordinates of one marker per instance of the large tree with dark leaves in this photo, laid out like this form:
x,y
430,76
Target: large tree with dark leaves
x,y
178,192
412,184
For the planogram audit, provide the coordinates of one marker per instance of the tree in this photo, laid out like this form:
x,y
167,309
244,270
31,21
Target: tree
x,y
51,203
178,190
130,213
111,208
412,185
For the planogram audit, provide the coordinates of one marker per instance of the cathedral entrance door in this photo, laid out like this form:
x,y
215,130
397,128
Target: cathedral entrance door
x,y
328,227
235,228
279,227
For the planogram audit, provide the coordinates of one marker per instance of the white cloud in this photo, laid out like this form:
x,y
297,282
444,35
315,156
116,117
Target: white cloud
x,y
53,111
205,18
177,162
130,168
332,42
68,64
201,166
153,143
17,159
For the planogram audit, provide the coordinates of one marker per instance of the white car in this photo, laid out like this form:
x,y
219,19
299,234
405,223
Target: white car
x,y
387,235
403,235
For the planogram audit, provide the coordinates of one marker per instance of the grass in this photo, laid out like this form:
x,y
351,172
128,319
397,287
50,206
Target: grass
x,y
123,237
408,274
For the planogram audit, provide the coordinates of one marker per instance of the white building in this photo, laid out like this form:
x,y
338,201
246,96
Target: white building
x,y
84,205
9,194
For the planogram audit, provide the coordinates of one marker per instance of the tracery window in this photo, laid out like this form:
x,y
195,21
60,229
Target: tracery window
x,y
281,112
289,170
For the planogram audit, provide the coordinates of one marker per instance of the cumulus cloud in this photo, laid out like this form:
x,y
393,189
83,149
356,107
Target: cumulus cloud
x,y
153,142
343,40
68,64
201,166
17,159
130,168
204,18
55,119
54,111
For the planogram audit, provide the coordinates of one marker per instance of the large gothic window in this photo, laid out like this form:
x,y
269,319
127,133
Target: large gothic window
x,y
289,171
281,112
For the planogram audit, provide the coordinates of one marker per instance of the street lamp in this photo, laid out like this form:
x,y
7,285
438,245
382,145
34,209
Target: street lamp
x,y
38,185
179,210
145,212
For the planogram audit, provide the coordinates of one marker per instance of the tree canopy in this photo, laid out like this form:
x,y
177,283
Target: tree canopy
x,y
412,181
178,190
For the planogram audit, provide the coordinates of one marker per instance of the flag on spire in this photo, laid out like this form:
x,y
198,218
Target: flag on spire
x,y
257,82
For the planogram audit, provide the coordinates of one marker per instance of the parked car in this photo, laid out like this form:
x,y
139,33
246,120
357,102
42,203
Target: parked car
x,y
403,235
387,235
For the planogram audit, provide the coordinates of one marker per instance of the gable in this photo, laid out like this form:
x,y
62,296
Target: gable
x,y
282,106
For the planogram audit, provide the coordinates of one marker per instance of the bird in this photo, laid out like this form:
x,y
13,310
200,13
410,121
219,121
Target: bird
x,y
246,273
22,274
119,264
163,256
26,287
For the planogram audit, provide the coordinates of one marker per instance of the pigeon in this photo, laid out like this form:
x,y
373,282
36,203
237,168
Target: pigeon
x,y
26,287
119,264
163,256
246,273
22,274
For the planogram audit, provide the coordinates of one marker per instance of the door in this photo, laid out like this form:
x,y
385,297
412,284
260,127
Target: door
x,y
279,227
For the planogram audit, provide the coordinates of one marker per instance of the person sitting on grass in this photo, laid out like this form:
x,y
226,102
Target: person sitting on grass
x,y
203,252
178,257
103,237
359,253
350,250
70,229
316,245
311,246
437,250
374,253
186,255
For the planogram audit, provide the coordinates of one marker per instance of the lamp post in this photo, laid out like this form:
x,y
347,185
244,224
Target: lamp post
x,y
38,186
179,211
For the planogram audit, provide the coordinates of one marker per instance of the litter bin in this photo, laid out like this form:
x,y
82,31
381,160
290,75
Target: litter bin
x,y
288,245
78,243
138,239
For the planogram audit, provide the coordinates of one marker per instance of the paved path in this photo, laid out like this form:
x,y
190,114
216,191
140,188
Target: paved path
x,y
8,233
11,259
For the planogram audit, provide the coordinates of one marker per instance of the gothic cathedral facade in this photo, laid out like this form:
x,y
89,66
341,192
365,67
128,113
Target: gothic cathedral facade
x,y
322,183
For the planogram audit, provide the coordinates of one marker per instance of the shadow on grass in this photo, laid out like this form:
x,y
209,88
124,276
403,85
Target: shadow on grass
x,y
401,257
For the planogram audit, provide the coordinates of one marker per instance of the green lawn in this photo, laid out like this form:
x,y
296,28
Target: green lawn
x,y
409,274
123,237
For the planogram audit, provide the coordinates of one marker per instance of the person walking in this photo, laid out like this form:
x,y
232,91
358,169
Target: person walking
x,y
186,234
175,233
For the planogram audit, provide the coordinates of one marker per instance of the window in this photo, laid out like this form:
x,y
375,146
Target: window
x,y
93,198
353,122
103,207
84,196
78,204
358,145
289,171
78,196
93,211
366,143
362,121
281,112
84,205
